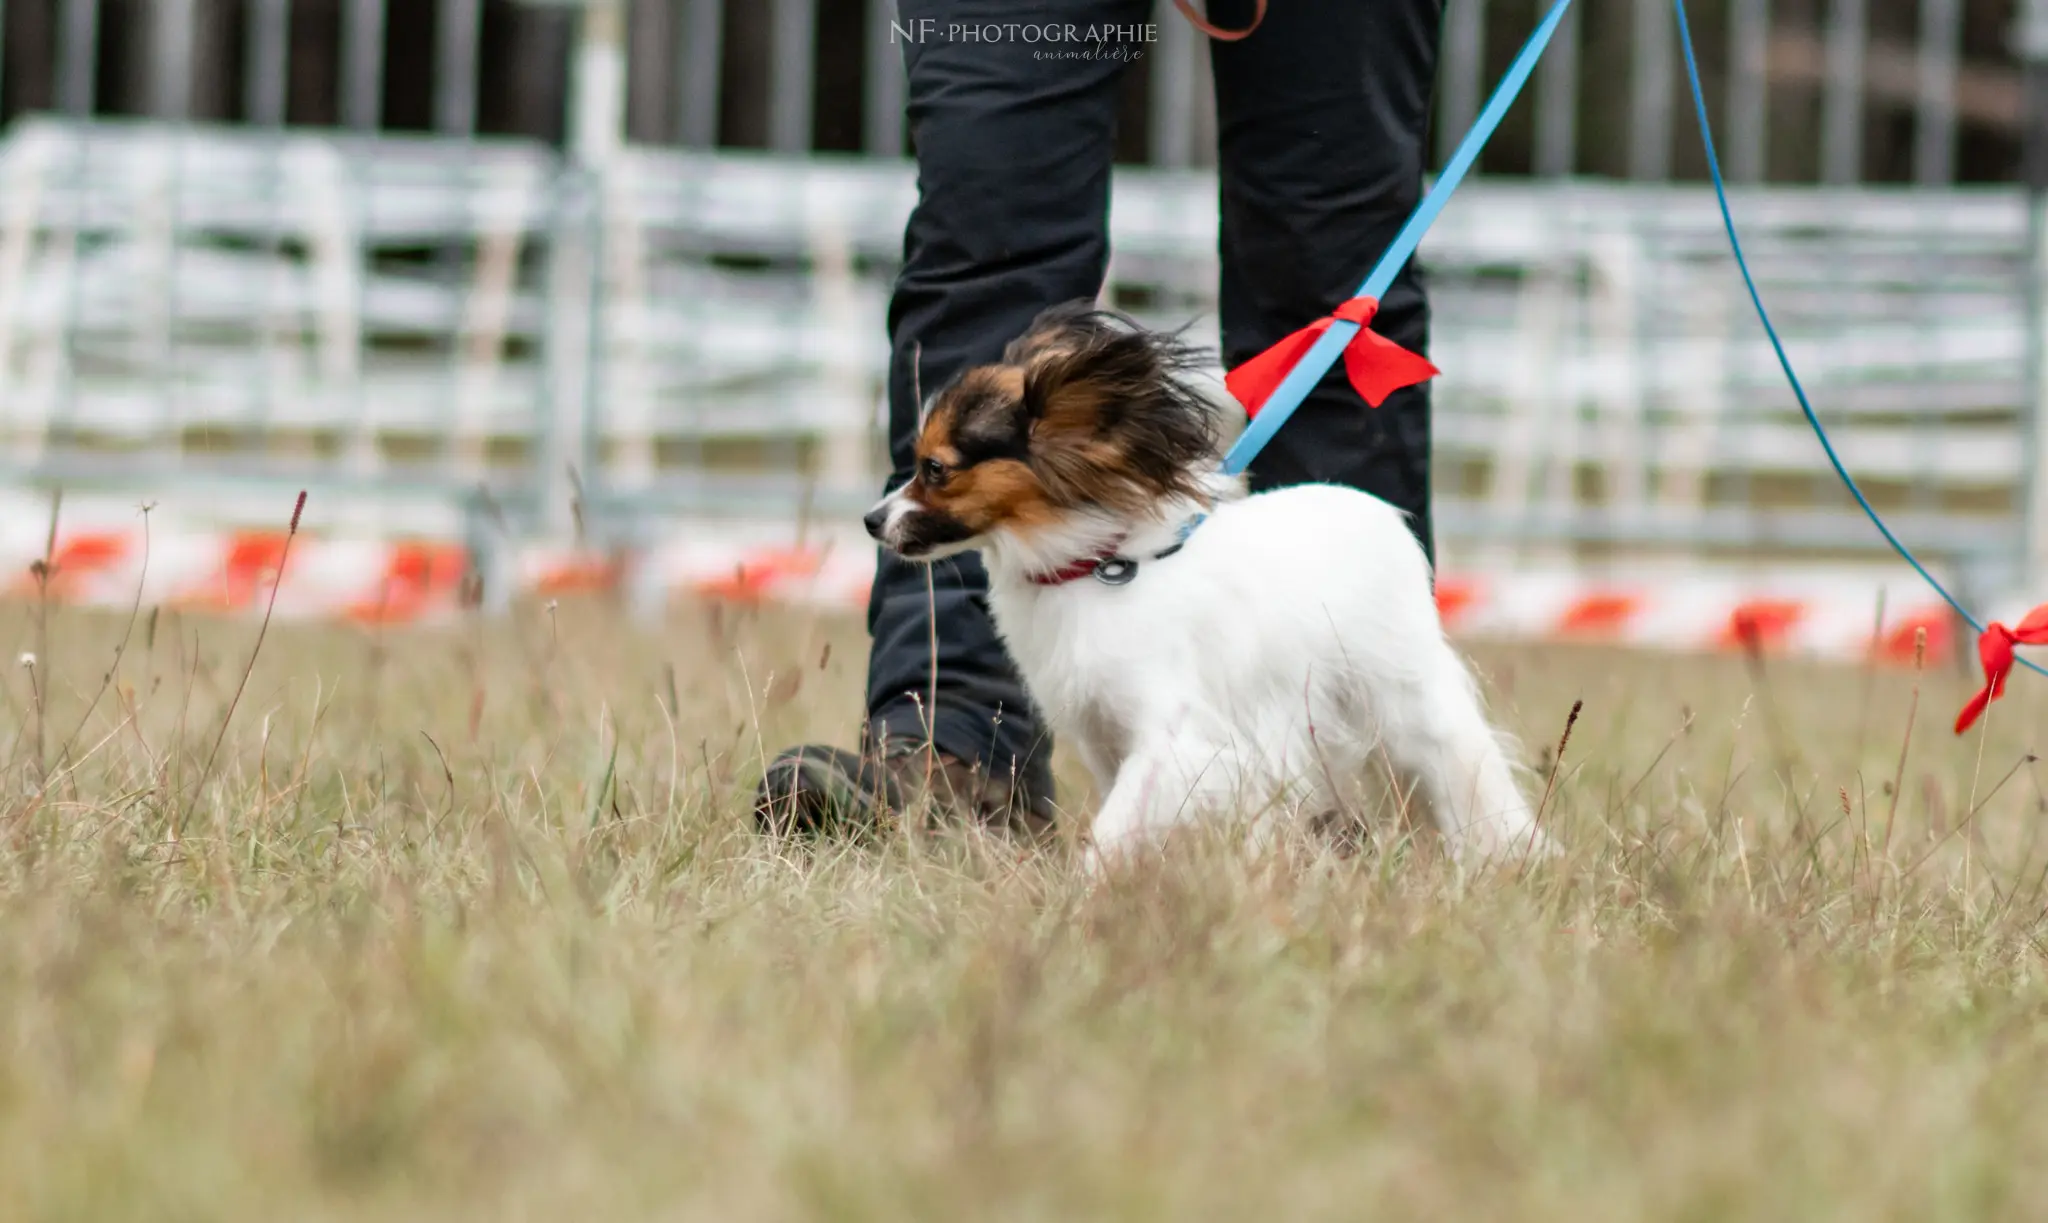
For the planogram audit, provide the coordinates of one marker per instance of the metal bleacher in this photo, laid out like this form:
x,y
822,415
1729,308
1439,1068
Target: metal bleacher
x,y
410,320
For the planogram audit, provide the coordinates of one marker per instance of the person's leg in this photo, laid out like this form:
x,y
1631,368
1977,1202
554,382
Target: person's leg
x,y
1322,124
1014,143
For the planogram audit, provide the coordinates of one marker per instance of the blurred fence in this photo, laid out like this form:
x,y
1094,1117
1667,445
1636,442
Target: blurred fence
x,y
418,327
1834,91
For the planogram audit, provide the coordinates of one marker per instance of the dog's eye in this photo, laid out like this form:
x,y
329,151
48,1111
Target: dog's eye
x,y
934,472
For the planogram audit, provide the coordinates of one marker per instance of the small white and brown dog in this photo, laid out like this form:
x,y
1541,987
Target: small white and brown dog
x,y
1207,652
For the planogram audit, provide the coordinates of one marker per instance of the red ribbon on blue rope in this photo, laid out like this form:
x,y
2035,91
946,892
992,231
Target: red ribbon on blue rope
x,y
1376,366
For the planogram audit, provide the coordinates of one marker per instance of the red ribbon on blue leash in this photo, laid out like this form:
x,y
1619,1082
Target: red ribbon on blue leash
x,y
1273,384
1376,366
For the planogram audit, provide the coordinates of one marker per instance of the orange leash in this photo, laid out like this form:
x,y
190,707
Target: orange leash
x,y
1187,10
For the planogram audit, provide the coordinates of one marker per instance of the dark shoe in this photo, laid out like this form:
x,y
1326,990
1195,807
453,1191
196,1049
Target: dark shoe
x,y
832,791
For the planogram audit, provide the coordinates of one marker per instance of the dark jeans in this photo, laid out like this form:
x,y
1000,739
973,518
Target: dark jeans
x,y
1322,118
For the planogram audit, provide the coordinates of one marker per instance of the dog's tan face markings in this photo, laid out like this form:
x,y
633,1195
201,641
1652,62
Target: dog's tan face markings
x,y
974,455
1085,412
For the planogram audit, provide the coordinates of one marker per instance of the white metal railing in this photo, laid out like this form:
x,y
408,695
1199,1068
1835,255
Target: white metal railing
x,y
695,330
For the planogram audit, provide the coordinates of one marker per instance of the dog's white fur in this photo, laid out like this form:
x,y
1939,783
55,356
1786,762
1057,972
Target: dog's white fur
x,y
1292,644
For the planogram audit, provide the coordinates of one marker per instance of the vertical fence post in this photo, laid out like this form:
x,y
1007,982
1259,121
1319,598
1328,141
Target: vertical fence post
x,y
1557,102
362,65
266,71
844,380
457,39
472,351
171,59
171,46
78,57
266,62
1842,110
1934,127
598,98
650,70
700,52
1173,94
2033,49
23,183
575,290
1533,417
1650,83
792,74
571,296
1749,32
1464,54
151,182
882,115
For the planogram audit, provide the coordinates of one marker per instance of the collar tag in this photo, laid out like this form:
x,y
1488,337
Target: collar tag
x,y
1113,570
1116,571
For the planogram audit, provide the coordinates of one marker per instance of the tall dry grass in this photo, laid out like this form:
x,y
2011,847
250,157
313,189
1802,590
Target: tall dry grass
x,y
468,923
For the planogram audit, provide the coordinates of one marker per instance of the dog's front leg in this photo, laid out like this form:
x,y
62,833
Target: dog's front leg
x,y
1154,791
1129,814
1098,759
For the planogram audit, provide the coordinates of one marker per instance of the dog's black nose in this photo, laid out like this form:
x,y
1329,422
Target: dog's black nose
x,y
873,522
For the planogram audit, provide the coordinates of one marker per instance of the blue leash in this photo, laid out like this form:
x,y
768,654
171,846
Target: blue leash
x,y
1317,361
1699,102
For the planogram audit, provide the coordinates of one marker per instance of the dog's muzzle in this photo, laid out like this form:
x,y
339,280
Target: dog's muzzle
x,y
911,530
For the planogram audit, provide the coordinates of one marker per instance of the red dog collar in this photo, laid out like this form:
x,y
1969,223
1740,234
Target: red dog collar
x,y
1076,571
1109,568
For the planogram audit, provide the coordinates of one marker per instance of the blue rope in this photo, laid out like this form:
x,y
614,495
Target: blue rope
x,y
1699,102
1317,361
1293,389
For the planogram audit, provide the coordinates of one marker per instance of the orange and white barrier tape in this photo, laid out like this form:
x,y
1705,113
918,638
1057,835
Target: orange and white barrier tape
x,y
409,581
1824,618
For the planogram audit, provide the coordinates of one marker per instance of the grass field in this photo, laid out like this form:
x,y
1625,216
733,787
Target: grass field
x,y
469,924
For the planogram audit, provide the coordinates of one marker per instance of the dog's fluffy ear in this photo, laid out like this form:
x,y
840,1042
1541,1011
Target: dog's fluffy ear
x,y
1050,351
1112,413
1056,329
